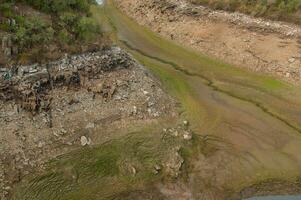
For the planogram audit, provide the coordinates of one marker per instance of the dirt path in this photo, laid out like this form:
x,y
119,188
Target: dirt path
x,y
263,46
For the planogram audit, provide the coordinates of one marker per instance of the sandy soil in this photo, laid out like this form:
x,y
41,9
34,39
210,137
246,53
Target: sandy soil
x,y
264,46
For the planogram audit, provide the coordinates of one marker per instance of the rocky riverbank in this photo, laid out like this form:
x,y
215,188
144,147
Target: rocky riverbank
x,y
82,100
273,48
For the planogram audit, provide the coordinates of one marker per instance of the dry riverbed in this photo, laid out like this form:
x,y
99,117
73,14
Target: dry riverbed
x,y
111,131
260,45
249,144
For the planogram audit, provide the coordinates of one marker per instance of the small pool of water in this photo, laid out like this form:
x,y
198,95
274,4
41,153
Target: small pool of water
x,y
100,2
276,198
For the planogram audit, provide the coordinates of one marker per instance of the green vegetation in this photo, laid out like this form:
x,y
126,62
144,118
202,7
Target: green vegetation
x,y
58,6
41,23
289,10
104,172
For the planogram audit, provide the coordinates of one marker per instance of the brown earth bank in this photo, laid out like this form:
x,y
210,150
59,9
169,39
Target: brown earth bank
x,y
82,100
257,44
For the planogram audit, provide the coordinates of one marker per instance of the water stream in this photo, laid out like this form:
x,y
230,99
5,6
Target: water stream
x,y
100,2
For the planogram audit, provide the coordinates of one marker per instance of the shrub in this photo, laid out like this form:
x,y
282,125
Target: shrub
x,y
66,21
60,5
6,10
69,18
64,36
87,28
34,31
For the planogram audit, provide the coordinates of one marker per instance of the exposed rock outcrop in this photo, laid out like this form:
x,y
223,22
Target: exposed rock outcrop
x,y
29,85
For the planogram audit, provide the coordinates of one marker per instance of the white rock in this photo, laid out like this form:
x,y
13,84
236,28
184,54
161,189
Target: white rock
x,y
89,141
41,144
186,123
7,188
176,133
84,141
291,60
90,126
134,171
63,131
135,110
187,136
69,143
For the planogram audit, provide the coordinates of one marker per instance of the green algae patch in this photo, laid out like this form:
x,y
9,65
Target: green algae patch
x,y
178,86
101,172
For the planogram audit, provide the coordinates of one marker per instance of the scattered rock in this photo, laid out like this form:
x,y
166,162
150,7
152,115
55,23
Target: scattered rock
x,y
73,101
69,143
157,169
175,133
85,141
174,164
41,144
133,170
185,123
187,135
90,126
291,60
135,110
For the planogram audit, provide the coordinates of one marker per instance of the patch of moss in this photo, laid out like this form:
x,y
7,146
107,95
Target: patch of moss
x,y
101,172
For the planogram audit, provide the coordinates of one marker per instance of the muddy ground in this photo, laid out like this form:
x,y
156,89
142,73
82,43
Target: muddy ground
x,y
84,100
260,45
